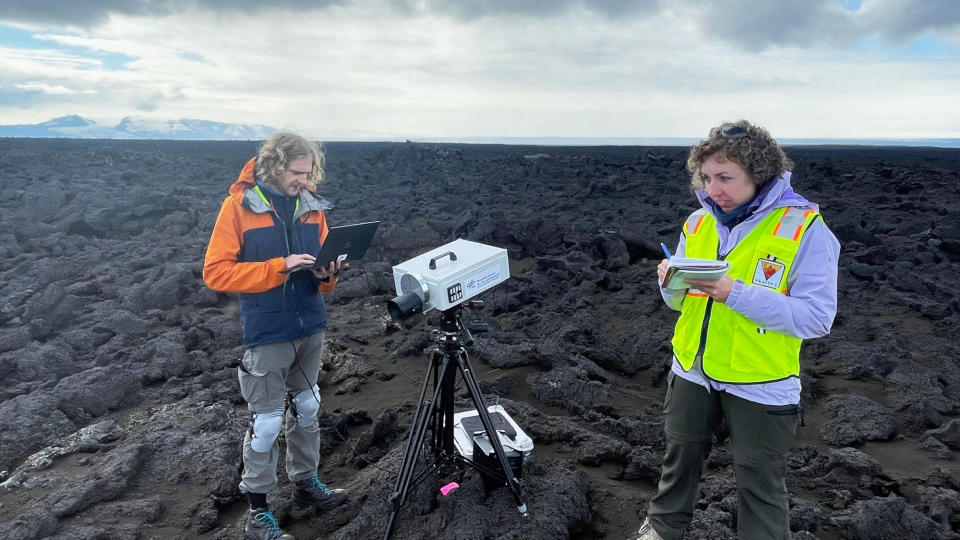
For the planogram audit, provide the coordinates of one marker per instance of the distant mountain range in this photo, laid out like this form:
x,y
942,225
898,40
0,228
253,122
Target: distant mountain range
x,y
132,127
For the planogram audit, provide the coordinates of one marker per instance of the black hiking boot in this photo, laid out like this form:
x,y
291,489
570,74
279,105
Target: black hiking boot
x,y
312,494
261,525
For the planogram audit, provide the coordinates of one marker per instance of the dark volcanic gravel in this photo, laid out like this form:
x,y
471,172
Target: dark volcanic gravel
x,y
120,414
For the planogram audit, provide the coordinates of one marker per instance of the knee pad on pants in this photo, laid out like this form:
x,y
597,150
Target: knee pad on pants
x,y
306,405
266,429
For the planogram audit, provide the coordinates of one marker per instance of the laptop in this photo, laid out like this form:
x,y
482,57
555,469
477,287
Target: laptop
x,y
346,243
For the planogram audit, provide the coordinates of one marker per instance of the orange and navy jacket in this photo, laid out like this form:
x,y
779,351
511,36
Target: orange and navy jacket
x,y
246,256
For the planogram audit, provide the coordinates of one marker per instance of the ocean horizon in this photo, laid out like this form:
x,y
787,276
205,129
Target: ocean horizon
x,y
530,141
674,141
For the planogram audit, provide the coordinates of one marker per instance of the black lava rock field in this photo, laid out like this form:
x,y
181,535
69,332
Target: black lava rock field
x,y
120,410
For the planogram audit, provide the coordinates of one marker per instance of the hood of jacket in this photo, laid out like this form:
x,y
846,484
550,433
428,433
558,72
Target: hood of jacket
x,y
247,177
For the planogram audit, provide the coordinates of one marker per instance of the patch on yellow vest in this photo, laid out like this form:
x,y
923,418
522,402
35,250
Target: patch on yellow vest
x,y
768,273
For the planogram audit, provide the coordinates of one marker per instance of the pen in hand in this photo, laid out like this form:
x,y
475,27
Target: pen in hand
x,y
665,250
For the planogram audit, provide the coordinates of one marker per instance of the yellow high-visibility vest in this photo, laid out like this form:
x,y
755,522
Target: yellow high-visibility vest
x,y
732,348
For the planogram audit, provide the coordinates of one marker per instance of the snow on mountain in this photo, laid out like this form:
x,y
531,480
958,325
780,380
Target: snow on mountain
x,y
134,127
189,128
69,121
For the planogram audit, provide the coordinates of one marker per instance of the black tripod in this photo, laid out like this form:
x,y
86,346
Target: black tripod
x,y
437,415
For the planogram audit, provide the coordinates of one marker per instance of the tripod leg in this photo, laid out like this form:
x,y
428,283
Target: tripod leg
x,y
419,413
415,438
467,370
444,426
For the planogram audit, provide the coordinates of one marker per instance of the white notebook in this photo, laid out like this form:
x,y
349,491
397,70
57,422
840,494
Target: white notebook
x,y
681,269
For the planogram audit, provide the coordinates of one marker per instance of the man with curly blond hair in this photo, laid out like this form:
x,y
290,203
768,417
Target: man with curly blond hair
x,y
736,345
270,225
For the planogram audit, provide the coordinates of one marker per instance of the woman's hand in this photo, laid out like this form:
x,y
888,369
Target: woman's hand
x,y
662,271
332,271
718,289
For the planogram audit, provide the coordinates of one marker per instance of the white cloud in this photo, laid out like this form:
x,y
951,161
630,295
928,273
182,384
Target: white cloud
x,y
46,62
434,68
53,90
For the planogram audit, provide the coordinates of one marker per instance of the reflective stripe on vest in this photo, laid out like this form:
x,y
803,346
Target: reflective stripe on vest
x,y
692,225
791,223
732,348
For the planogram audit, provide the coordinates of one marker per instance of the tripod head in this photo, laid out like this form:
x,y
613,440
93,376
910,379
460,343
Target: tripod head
x,y
453,329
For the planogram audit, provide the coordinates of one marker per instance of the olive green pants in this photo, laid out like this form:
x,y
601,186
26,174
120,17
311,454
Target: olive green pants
x,y
760,436
268,373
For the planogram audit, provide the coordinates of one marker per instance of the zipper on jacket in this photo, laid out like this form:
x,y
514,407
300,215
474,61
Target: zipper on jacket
x,y
286,243
288,236
295,238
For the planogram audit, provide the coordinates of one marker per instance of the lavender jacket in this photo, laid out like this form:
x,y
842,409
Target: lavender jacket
x,y
806,313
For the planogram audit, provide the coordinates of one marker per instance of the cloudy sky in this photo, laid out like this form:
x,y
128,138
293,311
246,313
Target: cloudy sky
x,y
457,68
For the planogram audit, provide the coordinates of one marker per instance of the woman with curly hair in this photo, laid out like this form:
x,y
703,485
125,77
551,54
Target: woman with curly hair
x,y
736,345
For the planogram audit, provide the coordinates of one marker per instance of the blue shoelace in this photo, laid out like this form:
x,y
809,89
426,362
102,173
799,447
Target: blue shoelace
x,y
270,521
321,486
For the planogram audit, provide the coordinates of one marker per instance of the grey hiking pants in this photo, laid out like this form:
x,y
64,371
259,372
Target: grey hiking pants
x,y
267,373
760,436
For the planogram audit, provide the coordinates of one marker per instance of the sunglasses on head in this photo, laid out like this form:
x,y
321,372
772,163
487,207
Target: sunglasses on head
x,y
732,131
